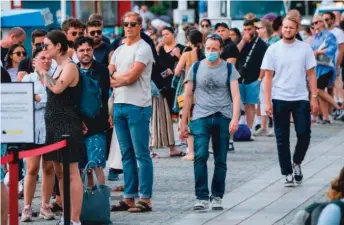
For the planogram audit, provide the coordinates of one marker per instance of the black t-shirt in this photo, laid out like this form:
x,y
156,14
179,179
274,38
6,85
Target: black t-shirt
x,y
230,50
4,52
298,36
5,76
25,65
168,61
251,71
105,39
102,53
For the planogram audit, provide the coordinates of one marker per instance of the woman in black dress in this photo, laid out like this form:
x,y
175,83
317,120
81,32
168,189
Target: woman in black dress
x,y
62,114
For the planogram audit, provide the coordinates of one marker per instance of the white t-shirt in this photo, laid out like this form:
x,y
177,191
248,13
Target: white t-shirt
x,y
339,36
290,63
139,92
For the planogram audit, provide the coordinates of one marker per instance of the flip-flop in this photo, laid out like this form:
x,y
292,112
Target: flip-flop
x,y
155,155
121,207
118,188
140,207
181,154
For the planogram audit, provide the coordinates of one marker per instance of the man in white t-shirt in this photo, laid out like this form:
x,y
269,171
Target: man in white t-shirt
x,y
330,19
287,64
131,65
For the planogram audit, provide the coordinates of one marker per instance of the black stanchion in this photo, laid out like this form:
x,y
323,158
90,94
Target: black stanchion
x,y
66,181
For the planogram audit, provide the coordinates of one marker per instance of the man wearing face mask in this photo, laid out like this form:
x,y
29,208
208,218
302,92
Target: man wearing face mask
x,y
252,50
213,83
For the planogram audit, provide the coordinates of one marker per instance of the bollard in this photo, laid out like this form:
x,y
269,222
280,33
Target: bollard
x,y
66,181
13,186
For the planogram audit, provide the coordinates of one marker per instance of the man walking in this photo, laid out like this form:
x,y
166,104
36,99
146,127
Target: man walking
x,y
94,104
252,50
288,64
132,65
214,85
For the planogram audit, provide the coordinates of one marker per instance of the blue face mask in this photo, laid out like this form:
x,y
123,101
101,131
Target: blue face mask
x,y
212,56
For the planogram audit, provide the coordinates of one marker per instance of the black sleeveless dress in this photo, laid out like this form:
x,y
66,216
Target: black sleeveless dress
x,y
62,116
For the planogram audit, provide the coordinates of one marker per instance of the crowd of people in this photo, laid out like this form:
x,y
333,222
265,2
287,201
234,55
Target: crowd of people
x,y
119,100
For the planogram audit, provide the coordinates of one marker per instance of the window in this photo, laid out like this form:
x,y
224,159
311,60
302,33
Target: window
x,y
108,10
260,8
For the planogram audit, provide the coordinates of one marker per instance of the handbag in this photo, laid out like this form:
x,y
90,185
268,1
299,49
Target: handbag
x,y
323,59
96,201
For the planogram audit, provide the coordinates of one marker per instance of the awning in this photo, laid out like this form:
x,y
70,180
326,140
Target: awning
x,y
26,18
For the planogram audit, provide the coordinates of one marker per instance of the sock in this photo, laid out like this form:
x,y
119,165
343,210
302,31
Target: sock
x,y
258,120
242,120
76,223
231,141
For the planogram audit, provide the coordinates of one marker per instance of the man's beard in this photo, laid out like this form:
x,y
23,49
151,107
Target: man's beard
x,y
289,38
97,42
85,63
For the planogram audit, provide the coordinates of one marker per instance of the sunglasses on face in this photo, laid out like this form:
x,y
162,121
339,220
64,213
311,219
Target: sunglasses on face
x,y
132,24
94,32
39,45
74,33
315,23
19,53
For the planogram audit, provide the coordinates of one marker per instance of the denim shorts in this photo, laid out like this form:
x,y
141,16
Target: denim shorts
x,y
249,93
2,153
96,150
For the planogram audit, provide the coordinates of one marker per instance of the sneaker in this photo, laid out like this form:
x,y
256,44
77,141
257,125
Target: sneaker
x,y
61,221
252,137
289,181
231,147
201,205
298,176
112,176
257,127
323,122
261,132
271,133
340,114
46,213
216,203
26,215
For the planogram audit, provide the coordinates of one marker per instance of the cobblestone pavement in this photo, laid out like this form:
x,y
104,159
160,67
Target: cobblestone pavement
x,y
174,185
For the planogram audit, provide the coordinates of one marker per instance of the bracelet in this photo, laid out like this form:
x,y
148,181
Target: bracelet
x,y
314,96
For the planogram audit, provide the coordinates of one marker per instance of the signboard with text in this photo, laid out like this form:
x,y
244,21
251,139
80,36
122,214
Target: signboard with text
x,y
17,113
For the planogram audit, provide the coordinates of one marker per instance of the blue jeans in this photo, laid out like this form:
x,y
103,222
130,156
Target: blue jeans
x,y
217,127
132,129
301,112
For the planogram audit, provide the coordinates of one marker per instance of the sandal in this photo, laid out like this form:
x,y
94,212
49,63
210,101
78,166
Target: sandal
x,y
181,154
55,207
121,207
118,188
140,207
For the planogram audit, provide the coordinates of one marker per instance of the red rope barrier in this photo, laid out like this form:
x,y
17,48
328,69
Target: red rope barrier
x,y
6,159
43,150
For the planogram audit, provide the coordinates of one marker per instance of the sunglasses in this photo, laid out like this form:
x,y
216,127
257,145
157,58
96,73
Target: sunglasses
x,y
215,37
94,32
39,45
315,23
45,46
74,33
19,53
132,24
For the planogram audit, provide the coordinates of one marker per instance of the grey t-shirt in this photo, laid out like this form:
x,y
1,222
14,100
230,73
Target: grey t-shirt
x,y
211,93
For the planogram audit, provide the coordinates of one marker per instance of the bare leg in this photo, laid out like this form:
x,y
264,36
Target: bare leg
x,y
324,109
250,113
330,91
326,97
4,204
265,120
32,164
47,181
100,175
75,194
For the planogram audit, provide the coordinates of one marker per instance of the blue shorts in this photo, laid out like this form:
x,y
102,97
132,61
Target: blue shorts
x,y
2,153
96,151
249,93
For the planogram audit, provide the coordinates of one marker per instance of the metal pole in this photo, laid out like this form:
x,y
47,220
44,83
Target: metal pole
x,y
63,11
66,181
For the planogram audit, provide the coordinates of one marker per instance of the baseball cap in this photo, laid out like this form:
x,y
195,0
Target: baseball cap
x,y
221,25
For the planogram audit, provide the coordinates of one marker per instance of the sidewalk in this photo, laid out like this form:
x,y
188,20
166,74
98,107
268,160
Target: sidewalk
x,y
254,193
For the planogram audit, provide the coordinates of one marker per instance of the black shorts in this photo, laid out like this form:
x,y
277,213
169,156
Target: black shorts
x,y
342,68
324,80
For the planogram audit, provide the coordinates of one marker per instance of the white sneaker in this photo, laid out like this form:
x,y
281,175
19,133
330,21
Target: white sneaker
x,y
216,203
201,205
289,181
261,132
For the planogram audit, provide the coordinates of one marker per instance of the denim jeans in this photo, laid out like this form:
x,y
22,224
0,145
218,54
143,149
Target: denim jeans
x,y
300,110
217,127
132,129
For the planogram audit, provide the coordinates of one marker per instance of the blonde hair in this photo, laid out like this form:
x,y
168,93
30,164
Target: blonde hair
x,y
267,24
130,14
320,17
250,16
292,19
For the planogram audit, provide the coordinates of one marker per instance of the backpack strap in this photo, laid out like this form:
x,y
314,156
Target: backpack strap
x,y
194,70
229,69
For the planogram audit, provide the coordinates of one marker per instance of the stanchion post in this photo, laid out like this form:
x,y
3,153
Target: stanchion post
x,y
13,193
66,181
